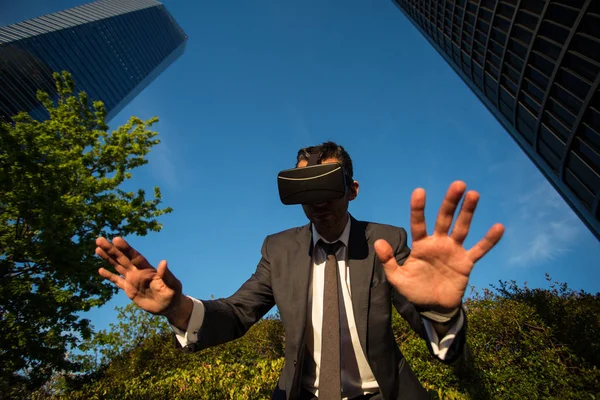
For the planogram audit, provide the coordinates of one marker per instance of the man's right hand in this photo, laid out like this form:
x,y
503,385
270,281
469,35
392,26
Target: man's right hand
x,y
157,291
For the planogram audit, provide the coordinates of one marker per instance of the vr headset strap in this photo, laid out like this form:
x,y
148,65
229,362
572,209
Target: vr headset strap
x,y
313,159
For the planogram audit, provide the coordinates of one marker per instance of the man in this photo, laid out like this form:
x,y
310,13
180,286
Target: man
x,y
334,281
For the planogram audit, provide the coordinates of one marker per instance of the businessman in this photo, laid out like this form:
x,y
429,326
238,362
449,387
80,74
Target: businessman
x,y
334,282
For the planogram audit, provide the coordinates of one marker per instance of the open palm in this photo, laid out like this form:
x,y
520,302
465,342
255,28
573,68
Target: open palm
x,y
154,290
436,273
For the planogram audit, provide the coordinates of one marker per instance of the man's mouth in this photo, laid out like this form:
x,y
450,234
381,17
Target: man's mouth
x,y
321,213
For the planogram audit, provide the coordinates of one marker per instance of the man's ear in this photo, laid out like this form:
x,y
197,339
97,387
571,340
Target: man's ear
x,y
354,190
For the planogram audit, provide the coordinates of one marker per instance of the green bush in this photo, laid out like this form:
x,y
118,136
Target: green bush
x,y
574,316
512,353
247,368
518,346
217,380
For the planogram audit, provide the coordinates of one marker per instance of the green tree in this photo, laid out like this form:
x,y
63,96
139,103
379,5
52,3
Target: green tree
x,y
59,190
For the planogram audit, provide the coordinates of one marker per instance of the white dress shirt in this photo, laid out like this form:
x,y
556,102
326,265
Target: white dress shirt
x,y
357,377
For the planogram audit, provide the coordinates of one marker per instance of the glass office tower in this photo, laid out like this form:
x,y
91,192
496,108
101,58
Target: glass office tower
x,y
535,64
113,49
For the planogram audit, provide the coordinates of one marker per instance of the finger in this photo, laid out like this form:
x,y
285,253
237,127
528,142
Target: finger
x,y
136,258
448,207
103,254
114,253
491,238
114,278
418,227
165,274
465,216
120,269
385,254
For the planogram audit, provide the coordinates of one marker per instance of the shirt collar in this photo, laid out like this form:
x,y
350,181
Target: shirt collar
x,y
344,237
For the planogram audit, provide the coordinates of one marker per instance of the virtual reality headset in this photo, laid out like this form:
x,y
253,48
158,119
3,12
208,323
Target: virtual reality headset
x,y
314,183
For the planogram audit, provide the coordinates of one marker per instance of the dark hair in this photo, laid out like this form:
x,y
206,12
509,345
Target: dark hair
x,y
328,150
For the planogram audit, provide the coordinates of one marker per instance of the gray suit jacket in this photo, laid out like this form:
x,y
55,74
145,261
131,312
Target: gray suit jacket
x,y
282,278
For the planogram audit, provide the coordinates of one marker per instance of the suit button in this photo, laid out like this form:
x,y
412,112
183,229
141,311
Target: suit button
x,y
294,363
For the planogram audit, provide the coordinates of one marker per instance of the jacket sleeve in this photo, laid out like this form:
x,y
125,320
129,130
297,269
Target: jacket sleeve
x,y
230,318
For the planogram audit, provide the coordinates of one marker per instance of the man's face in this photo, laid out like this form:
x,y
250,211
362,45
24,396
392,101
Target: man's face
x,y
328,214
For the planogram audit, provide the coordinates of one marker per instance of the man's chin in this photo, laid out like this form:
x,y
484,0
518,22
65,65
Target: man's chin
x,y
323,221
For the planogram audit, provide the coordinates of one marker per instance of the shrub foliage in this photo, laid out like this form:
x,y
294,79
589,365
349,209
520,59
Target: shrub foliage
x,y
518,346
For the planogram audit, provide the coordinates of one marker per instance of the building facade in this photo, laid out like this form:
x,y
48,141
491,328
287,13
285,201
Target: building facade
x,y
535,64
113,49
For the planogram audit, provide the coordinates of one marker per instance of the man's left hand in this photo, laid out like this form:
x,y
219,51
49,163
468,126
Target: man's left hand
x,y
436,274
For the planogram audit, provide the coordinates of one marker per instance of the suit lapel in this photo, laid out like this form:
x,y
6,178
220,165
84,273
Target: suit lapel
x,y
302,260
361,262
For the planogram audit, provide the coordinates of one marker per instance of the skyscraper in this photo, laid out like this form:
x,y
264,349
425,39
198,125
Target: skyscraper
x,y
113,49
535,64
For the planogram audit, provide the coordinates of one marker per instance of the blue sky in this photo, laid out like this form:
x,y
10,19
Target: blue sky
x,y
261,79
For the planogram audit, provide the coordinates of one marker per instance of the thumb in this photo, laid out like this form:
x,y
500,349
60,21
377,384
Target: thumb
x,y
165,274
385,254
